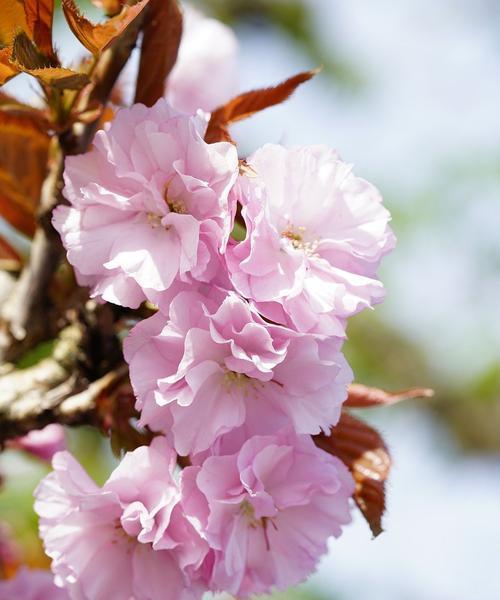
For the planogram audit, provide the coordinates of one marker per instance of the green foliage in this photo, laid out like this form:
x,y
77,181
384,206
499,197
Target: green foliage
x,y
16,505
238,232
487,386
93,451
382,357
304,592
473,412
34,356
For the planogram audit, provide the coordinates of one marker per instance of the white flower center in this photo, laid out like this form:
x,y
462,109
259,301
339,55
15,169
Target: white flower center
x,y
247,511
154,220
295,236
177,206
122,535
239,381
236,379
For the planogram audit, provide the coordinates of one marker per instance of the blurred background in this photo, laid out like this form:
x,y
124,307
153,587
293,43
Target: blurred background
x,y
409,94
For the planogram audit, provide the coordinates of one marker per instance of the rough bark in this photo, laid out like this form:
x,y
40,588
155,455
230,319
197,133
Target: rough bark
x,y
55,389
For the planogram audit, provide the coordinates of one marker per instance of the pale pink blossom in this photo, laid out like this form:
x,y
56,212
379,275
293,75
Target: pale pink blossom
x,y
42,443
148,205
126,539
206,72
214,362
315,237
267,509
31,584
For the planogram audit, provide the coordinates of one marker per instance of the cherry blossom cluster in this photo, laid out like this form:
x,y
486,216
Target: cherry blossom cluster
x,y
253,274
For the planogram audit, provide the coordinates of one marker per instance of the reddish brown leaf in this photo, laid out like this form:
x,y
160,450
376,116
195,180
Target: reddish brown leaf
x,y
98,37
7,69
9,257
160,44
60,78
110,7
15,209
362,449
26,55
6,99
23,160
246,105
362,396
39,15
116,412
12,20
13,108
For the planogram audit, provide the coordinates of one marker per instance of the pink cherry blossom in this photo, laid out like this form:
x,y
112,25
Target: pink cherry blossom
x,y
148,205
267,510
214,362
31,584
128,539
42,443
315,237
206,72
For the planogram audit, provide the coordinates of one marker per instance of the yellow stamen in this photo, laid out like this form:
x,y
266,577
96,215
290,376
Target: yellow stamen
x,y
295,235
154,220
176,206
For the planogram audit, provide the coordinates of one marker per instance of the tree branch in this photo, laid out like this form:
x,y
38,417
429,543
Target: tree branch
x,y
55,390
26,313
25,318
